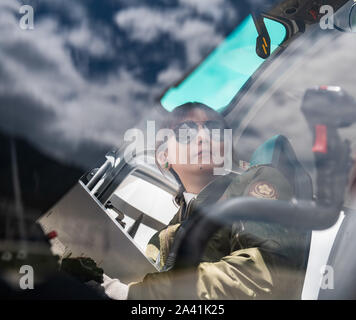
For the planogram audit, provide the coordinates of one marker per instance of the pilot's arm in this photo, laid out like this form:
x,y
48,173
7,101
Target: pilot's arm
x,y
265,261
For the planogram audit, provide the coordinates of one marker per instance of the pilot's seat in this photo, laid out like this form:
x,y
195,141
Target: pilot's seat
x,y
277,152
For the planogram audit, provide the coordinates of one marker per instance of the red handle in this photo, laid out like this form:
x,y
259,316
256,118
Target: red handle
x,y
321,139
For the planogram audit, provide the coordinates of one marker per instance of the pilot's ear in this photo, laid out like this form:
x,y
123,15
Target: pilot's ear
x,y
162,159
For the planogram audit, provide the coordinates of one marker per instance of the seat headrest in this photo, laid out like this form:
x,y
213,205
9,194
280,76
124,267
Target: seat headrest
x,y
277,152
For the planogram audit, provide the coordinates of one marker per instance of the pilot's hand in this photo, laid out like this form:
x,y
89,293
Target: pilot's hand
x,y
115,289
83,269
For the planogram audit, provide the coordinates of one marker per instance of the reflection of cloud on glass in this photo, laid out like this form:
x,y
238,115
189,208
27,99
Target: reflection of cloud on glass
x,y
54,68
83,38
274,108
170,75
218,10
41,79
198,35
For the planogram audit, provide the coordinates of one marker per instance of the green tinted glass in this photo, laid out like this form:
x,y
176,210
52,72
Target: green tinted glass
x,y
222,74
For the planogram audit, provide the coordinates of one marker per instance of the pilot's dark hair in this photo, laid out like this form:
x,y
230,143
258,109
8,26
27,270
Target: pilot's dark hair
x,y
179,113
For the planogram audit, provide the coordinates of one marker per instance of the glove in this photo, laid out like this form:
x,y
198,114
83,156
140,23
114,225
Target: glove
x,y
115,289
83,269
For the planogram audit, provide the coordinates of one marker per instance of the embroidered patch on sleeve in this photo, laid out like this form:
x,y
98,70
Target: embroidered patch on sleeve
x,y
263,190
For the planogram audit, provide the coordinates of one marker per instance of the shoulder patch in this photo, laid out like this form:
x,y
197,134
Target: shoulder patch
x,y
264,190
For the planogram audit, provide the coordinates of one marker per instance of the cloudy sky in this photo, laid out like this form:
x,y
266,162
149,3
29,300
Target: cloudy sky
x,y
92,69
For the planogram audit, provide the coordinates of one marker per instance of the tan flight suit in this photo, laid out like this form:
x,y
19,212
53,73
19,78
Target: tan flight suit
x,y
248,260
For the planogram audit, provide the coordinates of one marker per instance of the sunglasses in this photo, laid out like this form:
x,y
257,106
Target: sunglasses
x,y
186,131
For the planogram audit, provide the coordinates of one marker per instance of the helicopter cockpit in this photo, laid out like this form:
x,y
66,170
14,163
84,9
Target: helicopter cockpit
x,y
283,81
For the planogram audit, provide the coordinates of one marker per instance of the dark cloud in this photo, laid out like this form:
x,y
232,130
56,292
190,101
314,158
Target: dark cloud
x,y
21,114
23,52
93,69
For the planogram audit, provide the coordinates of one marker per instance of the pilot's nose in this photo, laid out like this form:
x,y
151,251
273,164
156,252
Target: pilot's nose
x,y
203,135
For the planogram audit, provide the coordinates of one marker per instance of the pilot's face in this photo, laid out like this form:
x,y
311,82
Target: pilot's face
x,y
192,148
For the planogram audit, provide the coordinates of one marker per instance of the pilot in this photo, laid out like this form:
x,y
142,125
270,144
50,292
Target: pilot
x,y
247,260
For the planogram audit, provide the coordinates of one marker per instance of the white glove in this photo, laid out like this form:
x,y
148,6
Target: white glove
x,y
115,289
